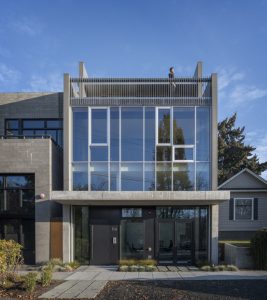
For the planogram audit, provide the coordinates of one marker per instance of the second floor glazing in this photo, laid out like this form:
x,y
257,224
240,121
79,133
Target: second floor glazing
x,y
141,148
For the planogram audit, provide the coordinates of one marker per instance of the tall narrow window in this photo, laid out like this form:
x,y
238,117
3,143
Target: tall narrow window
x,y
99,126
80,134
164,126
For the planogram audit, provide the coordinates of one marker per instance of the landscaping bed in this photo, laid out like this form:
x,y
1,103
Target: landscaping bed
x,y
18,292
189,290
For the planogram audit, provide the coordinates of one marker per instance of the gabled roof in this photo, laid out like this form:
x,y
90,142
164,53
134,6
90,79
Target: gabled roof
x,y
245,180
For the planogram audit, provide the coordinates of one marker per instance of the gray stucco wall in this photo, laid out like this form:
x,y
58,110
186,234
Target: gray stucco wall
x,y
35,156
30,105
244,225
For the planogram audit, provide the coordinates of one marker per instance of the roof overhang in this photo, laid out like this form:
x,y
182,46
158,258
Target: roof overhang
x,y
140,198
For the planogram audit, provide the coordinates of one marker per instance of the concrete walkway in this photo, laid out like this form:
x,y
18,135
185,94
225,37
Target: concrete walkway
x,y
88,281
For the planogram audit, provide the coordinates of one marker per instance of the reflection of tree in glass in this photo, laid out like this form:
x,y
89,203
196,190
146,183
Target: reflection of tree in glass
x,y
164,129
181,180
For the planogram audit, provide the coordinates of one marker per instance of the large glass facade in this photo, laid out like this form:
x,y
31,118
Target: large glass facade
x,y
17,212
141,148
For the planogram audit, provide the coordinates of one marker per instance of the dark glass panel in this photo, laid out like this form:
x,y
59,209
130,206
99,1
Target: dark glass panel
x,y
183,126
80,177
29,124
54,124
28,133
39,133
202,176
131,176
150,177
81,234
164,123
2,201
11,230
164,176
99,126
13,201
114,133
132,134
183,154
166,241
132,239
201,235
60,137
80,134
99,176
150,134
12,133
20,181
28,202
1,181
183,177
12,124
114,177
203,134
99,153
164,153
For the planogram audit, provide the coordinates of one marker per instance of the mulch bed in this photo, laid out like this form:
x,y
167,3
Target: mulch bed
x,y
17,292
189,290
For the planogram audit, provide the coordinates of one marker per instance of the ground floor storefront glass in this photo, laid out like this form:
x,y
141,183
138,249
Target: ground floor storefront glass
x,y
171,235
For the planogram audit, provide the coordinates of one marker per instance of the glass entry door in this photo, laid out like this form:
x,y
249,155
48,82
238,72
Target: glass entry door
x,y
175,242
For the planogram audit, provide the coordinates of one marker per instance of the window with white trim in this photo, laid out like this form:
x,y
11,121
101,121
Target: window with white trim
x,y
243,208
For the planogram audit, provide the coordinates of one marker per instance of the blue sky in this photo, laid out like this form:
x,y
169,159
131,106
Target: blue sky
x,y
42,39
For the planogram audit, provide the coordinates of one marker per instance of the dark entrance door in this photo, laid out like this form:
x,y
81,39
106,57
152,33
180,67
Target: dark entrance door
x,y
104,244
175,242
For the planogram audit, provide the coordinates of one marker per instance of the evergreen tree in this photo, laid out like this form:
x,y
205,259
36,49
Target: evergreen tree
x,y
233,154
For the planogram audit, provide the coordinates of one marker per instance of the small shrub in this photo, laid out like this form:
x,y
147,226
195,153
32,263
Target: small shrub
x,y
73,264
123,268
127,262
258,248
205,268
150,268
68,268
222,268
231,268
145,262
133,268
141,268
10,258
30,281
46,277
56,262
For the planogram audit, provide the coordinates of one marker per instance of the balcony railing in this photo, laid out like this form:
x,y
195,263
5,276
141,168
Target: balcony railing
x,y
136,88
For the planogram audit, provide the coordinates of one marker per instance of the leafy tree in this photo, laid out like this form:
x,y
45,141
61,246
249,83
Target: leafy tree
x,y
233,153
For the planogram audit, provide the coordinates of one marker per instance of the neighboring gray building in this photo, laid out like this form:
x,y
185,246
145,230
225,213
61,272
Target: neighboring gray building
x,y
246,211
139,170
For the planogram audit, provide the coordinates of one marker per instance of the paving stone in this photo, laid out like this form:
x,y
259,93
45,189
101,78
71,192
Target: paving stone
x,y
159,275
192,268
104,275
60,275
117,276
83,276
172,268
74,291
182,269
131,276
162,268
145,276
173,276
60,289
93,290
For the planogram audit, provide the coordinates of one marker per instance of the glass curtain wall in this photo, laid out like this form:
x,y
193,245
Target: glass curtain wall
x,y
141,148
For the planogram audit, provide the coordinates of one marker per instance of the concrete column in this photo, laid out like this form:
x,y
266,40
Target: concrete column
x,y
198,75
67,133
66,233
214,133
214,234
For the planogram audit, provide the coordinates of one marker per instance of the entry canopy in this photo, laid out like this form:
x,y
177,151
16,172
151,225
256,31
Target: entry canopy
x,y
140,198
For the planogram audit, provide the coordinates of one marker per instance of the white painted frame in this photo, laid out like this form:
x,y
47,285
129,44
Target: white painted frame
x,y
183,147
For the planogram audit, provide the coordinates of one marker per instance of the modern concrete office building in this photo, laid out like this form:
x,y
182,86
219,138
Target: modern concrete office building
x,y
130,170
